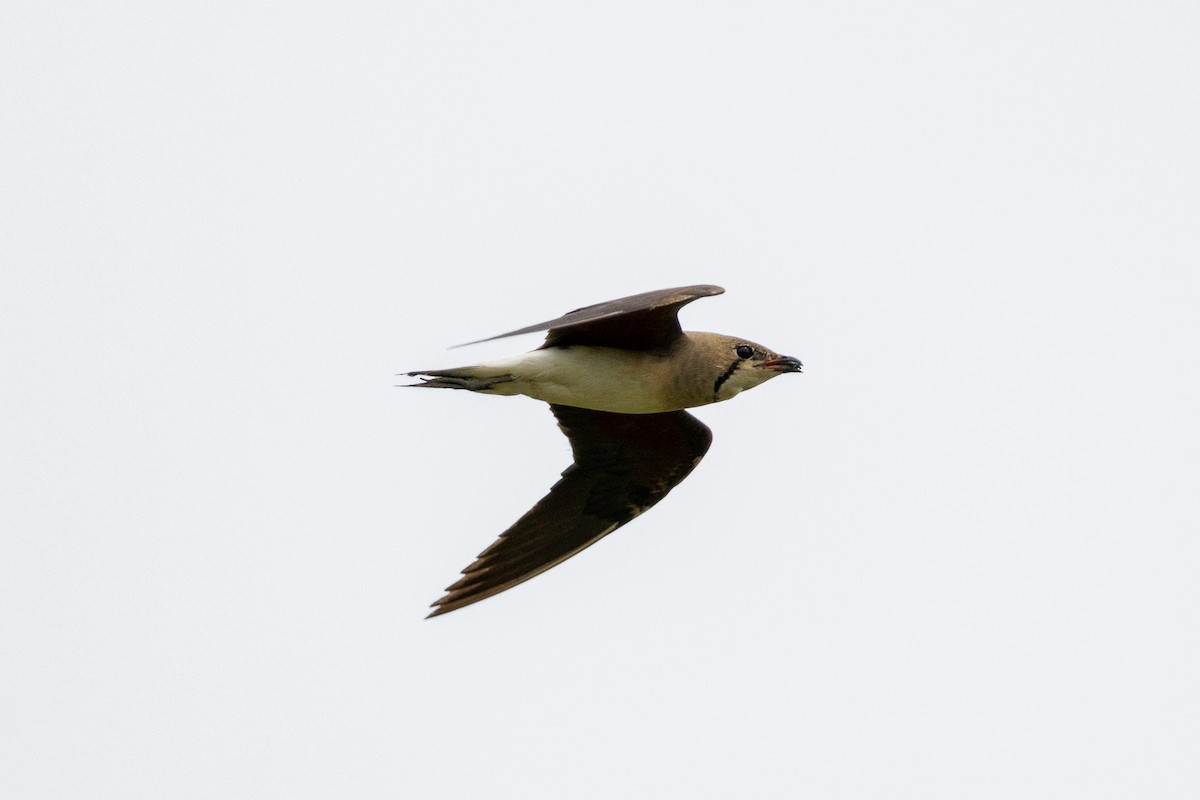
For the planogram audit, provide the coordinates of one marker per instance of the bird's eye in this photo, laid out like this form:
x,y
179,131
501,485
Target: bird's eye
x,y
744,351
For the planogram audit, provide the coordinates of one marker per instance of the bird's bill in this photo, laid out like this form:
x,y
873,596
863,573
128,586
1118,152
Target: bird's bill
x,y
783,364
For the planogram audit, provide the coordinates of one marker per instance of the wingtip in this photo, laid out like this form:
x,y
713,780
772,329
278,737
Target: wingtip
x,y
440,606
446,605
491,339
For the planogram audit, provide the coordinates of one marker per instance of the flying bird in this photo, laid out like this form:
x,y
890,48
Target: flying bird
x,y
617,376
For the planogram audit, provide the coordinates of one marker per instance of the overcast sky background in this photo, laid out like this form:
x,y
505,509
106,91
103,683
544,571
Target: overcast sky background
x,y
957,557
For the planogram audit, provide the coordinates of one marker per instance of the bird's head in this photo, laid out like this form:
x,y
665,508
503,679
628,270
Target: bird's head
x,y
739,364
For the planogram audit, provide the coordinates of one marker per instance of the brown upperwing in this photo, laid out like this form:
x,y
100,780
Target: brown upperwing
x,y
646,321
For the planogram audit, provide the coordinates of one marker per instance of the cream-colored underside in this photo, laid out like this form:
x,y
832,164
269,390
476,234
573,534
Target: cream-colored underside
x,y
598,378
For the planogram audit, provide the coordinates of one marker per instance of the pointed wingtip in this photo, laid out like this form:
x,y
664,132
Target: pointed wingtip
x,y
490,339
439,606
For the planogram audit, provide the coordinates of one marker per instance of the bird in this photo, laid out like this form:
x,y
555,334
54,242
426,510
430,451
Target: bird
x,y
618,377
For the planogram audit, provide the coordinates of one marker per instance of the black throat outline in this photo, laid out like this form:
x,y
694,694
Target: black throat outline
x,y
724,377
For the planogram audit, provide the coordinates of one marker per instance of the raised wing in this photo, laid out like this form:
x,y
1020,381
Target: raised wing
x,y
646,321
624,464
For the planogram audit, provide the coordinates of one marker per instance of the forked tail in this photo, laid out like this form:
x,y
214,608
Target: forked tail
x,y
461,378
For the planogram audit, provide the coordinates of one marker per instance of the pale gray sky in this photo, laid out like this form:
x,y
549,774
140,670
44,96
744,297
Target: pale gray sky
x,y
957,557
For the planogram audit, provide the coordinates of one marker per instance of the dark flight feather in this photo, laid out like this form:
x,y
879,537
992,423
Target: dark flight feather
x,y
646,321
624,464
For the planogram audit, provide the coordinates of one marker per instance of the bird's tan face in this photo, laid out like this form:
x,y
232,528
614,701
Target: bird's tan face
x,y
740,364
